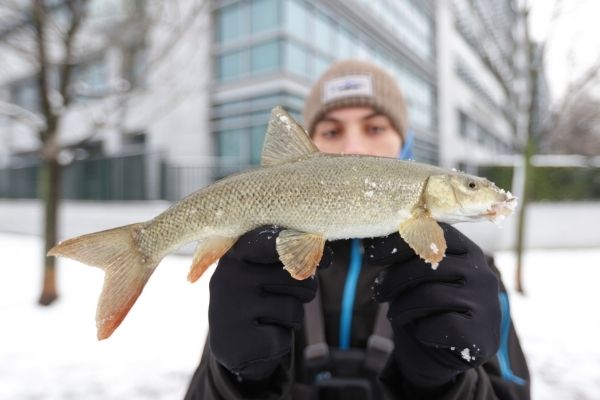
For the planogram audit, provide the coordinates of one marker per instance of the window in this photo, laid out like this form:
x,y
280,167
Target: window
x,y
134,140
265,57
323,33
344,44
90,77
25,94
230,144
296,59
257,137
241,125
231,23
232,65
296,18
463,124
320,64
265,15
134,66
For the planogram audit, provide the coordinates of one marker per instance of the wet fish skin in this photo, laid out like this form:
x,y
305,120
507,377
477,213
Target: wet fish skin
x,y
314,196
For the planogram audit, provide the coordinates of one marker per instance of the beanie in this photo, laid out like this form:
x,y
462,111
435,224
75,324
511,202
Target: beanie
x,y
351,83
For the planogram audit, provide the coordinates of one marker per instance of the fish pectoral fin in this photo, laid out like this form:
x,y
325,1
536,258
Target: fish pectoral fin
x,y
300,252
208,251
425,236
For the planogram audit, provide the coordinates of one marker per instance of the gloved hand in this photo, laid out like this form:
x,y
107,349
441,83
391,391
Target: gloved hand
x,y
255,305
445,321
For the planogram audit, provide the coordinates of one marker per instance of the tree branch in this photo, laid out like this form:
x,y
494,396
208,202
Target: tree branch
x,y
576,87
17,113
182,28
39,24
77,10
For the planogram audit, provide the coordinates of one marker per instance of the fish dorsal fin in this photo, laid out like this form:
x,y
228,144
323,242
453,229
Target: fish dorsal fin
x,y
285,140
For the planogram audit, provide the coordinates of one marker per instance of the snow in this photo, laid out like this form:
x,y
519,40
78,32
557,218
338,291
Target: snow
x,y
558,320
466,354
52,352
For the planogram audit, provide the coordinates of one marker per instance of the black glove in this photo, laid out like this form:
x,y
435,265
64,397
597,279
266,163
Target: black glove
x,y
445,321
255,305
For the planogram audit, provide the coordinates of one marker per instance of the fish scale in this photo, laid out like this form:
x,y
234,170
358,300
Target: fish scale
x,y
320,194
312,196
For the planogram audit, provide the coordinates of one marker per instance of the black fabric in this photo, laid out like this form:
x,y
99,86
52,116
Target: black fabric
x,y
332,280
255,305
211,381
516,357
445,320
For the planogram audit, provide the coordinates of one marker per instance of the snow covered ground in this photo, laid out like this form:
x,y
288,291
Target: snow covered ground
x,y
52,353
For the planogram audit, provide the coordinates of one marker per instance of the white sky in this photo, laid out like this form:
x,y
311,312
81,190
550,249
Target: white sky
x,y
574,42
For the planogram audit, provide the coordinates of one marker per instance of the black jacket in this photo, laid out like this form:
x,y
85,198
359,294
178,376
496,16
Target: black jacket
x,y
504,377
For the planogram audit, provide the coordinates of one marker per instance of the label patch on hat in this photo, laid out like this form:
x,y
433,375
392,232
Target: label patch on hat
x,y
347,86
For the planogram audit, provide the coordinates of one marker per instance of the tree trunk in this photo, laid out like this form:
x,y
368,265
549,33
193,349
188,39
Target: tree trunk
x,y
528,177
50,193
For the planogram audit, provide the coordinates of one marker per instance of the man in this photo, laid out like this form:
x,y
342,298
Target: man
x,y
377,322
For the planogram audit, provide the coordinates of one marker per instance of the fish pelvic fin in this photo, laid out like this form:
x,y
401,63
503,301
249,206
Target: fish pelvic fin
x,y
208,251
300,252
126,270
426,237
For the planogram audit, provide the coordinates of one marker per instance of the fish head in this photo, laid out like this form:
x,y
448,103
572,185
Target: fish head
x,y
462,197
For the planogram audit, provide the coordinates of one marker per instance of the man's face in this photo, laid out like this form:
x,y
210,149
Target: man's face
x,y
357,130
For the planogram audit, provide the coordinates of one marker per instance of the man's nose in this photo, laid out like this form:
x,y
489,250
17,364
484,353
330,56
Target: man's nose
x,y
355,143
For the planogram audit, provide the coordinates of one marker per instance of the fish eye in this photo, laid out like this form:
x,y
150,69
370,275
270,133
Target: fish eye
x,y
472,185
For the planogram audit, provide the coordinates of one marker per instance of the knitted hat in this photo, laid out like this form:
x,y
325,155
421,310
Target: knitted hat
x,y
356,83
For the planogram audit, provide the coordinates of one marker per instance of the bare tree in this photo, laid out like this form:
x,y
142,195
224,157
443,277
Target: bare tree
x,y
578,129
47,37
528,107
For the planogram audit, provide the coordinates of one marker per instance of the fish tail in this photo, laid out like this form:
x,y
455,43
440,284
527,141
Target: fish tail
x,y
126,270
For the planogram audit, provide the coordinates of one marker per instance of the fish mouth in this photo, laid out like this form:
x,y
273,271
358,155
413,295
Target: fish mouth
x,y
501,209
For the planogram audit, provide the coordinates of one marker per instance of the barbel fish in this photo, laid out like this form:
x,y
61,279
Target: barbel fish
x,y
313,196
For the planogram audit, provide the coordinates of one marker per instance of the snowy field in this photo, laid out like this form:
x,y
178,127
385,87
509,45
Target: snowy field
x,y
52,353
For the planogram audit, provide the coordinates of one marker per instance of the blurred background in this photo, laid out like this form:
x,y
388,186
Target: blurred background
x,y
110,110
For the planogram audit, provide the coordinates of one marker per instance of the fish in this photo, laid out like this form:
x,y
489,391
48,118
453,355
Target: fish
x,y
314,197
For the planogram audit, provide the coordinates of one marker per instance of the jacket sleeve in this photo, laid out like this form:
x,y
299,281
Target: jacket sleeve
x,y
211,381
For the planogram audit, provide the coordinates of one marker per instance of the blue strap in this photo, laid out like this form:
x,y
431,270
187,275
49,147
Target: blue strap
x,y
350,293
356,265
407,148
503,357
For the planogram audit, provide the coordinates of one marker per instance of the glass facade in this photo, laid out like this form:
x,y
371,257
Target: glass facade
x,y
241,127
408,20
299,39
265,57
231,23
90,78
474,132
265,15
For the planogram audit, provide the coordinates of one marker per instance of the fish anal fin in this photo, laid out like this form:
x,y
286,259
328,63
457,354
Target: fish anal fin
x,y
285,140
208,251
425,236
300,252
